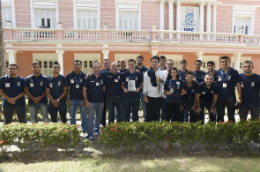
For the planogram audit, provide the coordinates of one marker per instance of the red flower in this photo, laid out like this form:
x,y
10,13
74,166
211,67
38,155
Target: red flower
x,y
1,142
229,121
101,133
169,123
114,125
116,131
179,126
65,131
68,124
160,126
98,137
112,129
220,122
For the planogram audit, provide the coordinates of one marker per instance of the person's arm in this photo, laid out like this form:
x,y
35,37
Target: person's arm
x,y
65,89
27,92
139,88
212,109
9,99
123,87
145,89
84,91
198,103
54,102
182,92
239,90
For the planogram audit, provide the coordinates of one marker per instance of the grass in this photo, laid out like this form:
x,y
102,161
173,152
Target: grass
x,y
169,164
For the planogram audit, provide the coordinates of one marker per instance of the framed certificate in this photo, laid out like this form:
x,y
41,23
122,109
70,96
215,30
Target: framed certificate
x,y
131,86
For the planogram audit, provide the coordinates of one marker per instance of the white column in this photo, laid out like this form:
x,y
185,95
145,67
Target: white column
x,y
60,60
202,17
154,52
208,17
11,56
105,54
162,15
170,2
214,22
178,15
199,55
237,61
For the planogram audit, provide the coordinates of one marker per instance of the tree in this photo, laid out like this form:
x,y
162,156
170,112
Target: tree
x,y
2,54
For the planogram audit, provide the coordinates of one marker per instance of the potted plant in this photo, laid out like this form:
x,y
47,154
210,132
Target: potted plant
x,y
9,23
105,25
59,24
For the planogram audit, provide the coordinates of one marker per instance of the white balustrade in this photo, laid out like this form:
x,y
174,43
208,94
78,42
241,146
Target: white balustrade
x,y
250,39
34,33
130,35
82,34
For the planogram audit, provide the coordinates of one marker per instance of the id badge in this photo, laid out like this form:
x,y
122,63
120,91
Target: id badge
x,y
127,79
219,79
7,84
203,92
31,85
97,84
185,91
72,81
194,78
77,86
116,80
172,90
50,85
224,85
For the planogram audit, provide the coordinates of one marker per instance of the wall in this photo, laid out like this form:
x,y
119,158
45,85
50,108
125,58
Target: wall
x,y
22,13
150,14
107,14
66,13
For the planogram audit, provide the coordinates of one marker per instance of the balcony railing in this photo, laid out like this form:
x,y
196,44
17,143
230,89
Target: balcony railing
x,y
128,36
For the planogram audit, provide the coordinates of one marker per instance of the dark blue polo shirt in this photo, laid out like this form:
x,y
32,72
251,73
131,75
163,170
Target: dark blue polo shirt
x,y
207,94
138,77
199,76
189,92
95,93
182,74
230,80
112,83
250,90
122,71
12,87
76,84
142,70
56,86
36,87
177,86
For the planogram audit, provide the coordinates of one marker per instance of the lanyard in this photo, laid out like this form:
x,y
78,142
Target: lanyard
x,y
130,75
226,76
183,74
189,89
171,83
76,80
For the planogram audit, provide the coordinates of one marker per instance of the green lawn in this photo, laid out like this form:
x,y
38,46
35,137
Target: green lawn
x,y
170,164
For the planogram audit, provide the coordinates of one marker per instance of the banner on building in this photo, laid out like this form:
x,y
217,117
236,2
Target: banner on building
x,y
190,19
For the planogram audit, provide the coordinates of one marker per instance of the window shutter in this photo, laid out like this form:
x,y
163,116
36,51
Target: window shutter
x,y
6,15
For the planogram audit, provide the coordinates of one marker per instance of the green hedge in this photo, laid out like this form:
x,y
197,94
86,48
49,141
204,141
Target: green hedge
x,y
39,137
172,137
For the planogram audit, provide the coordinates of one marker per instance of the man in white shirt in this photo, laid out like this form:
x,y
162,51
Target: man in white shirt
x,y
153,82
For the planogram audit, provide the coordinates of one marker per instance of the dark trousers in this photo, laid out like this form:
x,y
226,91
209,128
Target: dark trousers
x,y
112,102
201,115
62,109
186,109
131,103
103,118
153,108
222,103
175,108
243,112
9,112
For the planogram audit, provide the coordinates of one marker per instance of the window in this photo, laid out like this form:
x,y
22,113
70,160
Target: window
x,y
6,15
128,20
87,19
45,18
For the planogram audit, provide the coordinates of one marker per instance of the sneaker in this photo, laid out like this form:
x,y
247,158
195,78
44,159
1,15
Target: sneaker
x,y
96,133
90,137
83,134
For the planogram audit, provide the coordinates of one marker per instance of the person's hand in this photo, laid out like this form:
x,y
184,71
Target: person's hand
x,y
212,110
239,101
38,99
55,103
169,93
181,108
198,110
193,108
146,99
137,70
104,88
137,90
125,91
82,103
11,101
87,75
88,105
68,101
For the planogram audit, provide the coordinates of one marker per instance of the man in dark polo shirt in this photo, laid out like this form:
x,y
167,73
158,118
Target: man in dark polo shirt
x,y
250,83
12,90
198,73
182,72
207,97
142,69
131,95
75,99
113,92
56,89
93,93
188,100
34,88
227,79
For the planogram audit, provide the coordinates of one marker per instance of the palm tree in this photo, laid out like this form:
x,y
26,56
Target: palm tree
x,y
2,54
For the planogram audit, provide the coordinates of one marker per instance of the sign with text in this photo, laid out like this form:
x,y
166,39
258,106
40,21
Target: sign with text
x,y
190,17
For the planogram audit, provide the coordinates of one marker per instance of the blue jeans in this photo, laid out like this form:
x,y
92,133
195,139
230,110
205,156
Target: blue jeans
x,y
98,108
33,109
186,114
72,110
131,103
113,101
143,105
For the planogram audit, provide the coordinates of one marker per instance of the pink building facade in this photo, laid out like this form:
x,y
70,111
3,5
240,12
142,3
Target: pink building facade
x,y
92,30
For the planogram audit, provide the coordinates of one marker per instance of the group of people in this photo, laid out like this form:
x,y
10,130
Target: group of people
x,y
165,92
